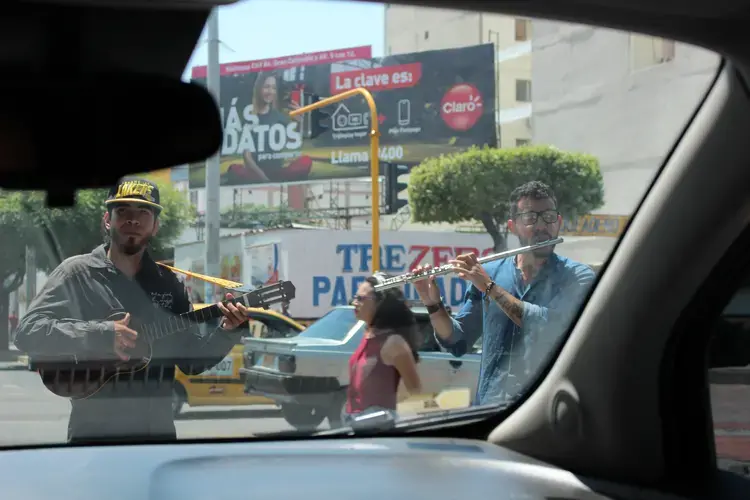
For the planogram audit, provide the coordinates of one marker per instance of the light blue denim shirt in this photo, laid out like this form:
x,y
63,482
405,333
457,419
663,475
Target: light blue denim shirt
x,y
511,354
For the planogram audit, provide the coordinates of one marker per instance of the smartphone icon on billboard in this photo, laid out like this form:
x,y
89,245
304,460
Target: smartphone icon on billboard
x,y
404,112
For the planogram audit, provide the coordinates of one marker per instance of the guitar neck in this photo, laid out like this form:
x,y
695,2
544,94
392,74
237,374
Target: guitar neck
x,y
175,324
262,297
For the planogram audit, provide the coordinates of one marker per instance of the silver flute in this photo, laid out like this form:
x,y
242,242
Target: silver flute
x,y
450,268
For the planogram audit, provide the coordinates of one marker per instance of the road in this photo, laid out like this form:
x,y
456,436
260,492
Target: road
x,y
29,414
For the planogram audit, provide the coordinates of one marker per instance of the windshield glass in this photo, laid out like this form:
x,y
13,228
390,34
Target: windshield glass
x,y
495,134
333,326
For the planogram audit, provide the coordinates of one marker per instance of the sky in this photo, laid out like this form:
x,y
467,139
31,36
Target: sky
x,y
260,29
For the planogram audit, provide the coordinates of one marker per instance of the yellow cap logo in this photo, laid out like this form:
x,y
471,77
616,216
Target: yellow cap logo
x,y
130,189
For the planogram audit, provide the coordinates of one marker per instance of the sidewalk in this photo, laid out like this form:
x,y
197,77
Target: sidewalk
x,y
13,359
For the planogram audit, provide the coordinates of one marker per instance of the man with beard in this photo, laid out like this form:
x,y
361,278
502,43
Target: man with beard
x,y
68,320
521,305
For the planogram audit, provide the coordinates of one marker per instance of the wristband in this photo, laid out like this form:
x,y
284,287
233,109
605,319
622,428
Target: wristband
x,y
432,309
489,289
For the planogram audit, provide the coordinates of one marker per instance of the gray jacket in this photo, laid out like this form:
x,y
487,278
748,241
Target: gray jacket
x,y
69,318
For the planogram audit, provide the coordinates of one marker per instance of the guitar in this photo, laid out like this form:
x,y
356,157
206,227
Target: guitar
x,y
83,375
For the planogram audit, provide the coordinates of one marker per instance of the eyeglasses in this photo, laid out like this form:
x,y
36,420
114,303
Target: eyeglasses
x,y
361,298
530,218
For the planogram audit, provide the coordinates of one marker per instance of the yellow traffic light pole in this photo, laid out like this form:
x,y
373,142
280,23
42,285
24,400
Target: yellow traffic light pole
x,y
374,160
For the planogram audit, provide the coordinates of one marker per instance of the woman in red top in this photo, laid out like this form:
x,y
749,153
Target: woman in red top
x,y
388,351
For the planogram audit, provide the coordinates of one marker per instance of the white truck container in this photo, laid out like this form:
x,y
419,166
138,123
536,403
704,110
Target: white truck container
x,y
327,266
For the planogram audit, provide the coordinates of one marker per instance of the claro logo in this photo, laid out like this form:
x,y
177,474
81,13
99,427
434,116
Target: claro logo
x,y
461,106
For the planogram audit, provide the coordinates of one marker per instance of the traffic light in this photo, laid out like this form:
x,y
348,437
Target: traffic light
x,y
393,187
320,119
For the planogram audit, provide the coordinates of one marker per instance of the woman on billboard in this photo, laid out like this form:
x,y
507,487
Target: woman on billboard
x,y
274,138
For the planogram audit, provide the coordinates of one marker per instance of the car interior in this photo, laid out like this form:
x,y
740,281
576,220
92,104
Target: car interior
x,y
623,410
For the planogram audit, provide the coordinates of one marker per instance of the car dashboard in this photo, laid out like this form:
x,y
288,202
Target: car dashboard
x,y
364,469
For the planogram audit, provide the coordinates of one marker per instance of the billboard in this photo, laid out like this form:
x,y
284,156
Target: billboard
x,y
162,176
286,62
428,103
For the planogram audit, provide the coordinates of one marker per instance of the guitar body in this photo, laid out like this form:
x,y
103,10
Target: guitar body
x,y
82,377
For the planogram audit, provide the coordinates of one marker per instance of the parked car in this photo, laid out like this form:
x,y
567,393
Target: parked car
x,y
221,385
307,374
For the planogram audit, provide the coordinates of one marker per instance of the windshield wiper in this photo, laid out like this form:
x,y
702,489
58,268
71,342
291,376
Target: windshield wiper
x,y
388,422
365,425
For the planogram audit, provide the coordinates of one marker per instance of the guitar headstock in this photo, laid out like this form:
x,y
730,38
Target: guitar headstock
x,y
281,291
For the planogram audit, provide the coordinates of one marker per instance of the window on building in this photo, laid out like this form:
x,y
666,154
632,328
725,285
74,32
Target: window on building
x,y
426,35
194,198
523,27
646,51
522,142
523,90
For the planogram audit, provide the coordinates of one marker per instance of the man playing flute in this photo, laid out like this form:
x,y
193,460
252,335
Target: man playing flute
x,y
521,305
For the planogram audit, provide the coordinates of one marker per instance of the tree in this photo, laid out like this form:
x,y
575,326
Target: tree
x,y
476,184
259,216
15,230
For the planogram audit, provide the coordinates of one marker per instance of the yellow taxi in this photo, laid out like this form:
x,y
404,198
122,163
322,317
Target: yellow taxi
x,y
221,385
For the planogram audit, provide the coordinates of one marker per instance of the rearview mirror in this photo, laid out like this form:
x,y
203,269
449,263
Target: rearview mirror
x,y
64,133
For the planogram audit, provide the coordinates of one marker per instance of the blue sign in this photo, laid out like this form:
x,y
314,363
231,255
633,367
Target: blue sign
x,y
339,290
356,265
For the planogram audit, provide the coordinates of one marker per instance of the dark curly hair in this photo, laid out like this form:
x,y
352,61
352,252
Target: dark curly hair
x,y
536,190
392,312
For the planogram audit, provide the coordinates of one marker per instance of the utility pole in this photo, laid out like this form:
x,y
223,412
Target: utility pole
x,y
213,175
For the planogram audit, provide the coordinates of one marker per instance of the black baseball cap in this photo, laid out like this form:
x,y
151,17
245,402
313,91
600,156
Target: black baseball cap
x,y
135,190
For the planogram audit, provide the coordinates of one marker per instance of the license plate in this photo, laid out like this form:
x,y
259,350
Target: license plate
x,y
268,362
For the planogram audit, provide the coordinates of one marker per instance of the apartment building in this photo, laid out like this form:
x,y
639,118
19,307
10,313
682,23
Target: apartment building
x,y
620,96
416,29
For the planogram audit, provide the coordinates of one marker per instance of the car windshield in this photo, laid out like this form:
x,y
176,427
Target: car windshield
x,y
526,143
333,326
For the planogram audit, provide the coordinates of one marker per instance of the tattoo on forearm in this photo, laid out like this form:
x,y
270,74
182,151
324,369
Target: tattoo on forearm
x,y
509,304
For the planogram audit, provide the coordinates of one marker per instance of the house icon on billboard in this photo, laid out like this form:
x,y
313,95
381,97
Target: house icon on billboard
x,y
344,120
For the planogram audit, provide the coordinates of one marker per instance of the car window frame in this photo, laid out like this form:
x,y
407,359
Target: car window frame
x,y
286,329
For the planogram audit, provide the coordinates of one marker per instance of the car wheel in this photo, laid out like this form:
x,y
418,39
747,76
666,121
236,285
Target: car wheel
x,y
179,398
302,417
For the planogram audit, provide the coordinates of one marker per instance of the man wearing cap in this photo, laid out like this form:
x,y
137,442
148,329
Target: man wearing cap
x,y
68,318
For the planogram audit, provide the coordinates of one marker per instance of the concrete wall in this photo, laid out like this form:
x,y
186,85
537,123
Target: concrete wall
x,y
415,29
589,97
